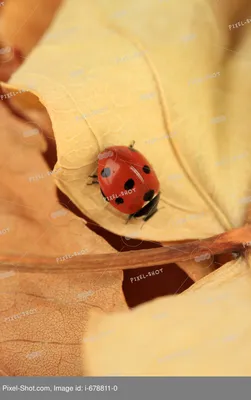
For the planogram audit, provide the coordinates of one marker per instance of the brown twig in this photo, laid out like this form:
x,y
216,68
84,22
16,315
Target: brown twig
x,y
171,253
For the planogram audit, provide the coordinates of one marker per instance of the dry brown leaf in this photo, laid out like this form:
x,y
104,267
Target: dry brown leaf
x,y
23,26
42,316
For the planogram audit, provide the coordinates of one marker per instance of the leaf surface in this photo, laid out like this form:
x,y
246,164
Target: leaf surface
x,y
204,331
42,316
114,69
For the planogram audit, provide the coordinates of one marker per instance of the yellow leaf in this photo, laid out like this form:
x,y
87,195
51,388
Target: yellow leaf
x,y
115,69
205,331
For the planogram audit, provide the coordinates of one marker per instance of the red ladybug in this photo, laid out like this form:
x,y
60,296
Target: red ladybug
x,y
128,181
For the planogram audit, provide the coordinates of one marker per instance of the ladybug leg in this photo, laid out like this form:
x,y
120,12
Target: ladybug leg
x,y
93,183
132,144
129,218
147,217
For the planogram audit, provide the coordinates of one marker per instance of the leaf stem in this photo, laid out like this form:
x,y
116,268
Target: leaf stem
x,y
231,241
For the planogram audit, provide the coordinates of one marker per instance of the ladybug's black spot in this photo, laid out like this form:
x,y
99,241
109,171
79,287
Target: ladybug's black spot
x,y
148,195
129,184
105,172
119,200
103,194
146,169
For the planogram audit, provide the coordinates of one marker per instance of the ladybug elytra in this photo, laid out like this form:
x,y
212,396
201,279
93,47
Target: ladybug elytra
x,y
128,181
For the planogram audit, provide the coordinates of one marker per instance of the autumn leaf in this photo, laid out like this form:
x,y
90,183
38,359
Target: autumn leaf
x,y
22,27
128,76
159,76
42,316
204,331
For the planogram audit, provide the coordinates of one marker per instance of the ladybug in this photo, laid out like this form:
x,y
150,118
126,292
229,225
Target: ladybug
x,y
128,181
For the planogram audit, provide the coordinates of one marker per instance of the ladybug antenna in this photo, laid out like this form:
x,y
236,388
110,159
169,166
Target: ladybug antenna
x,y
132,144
